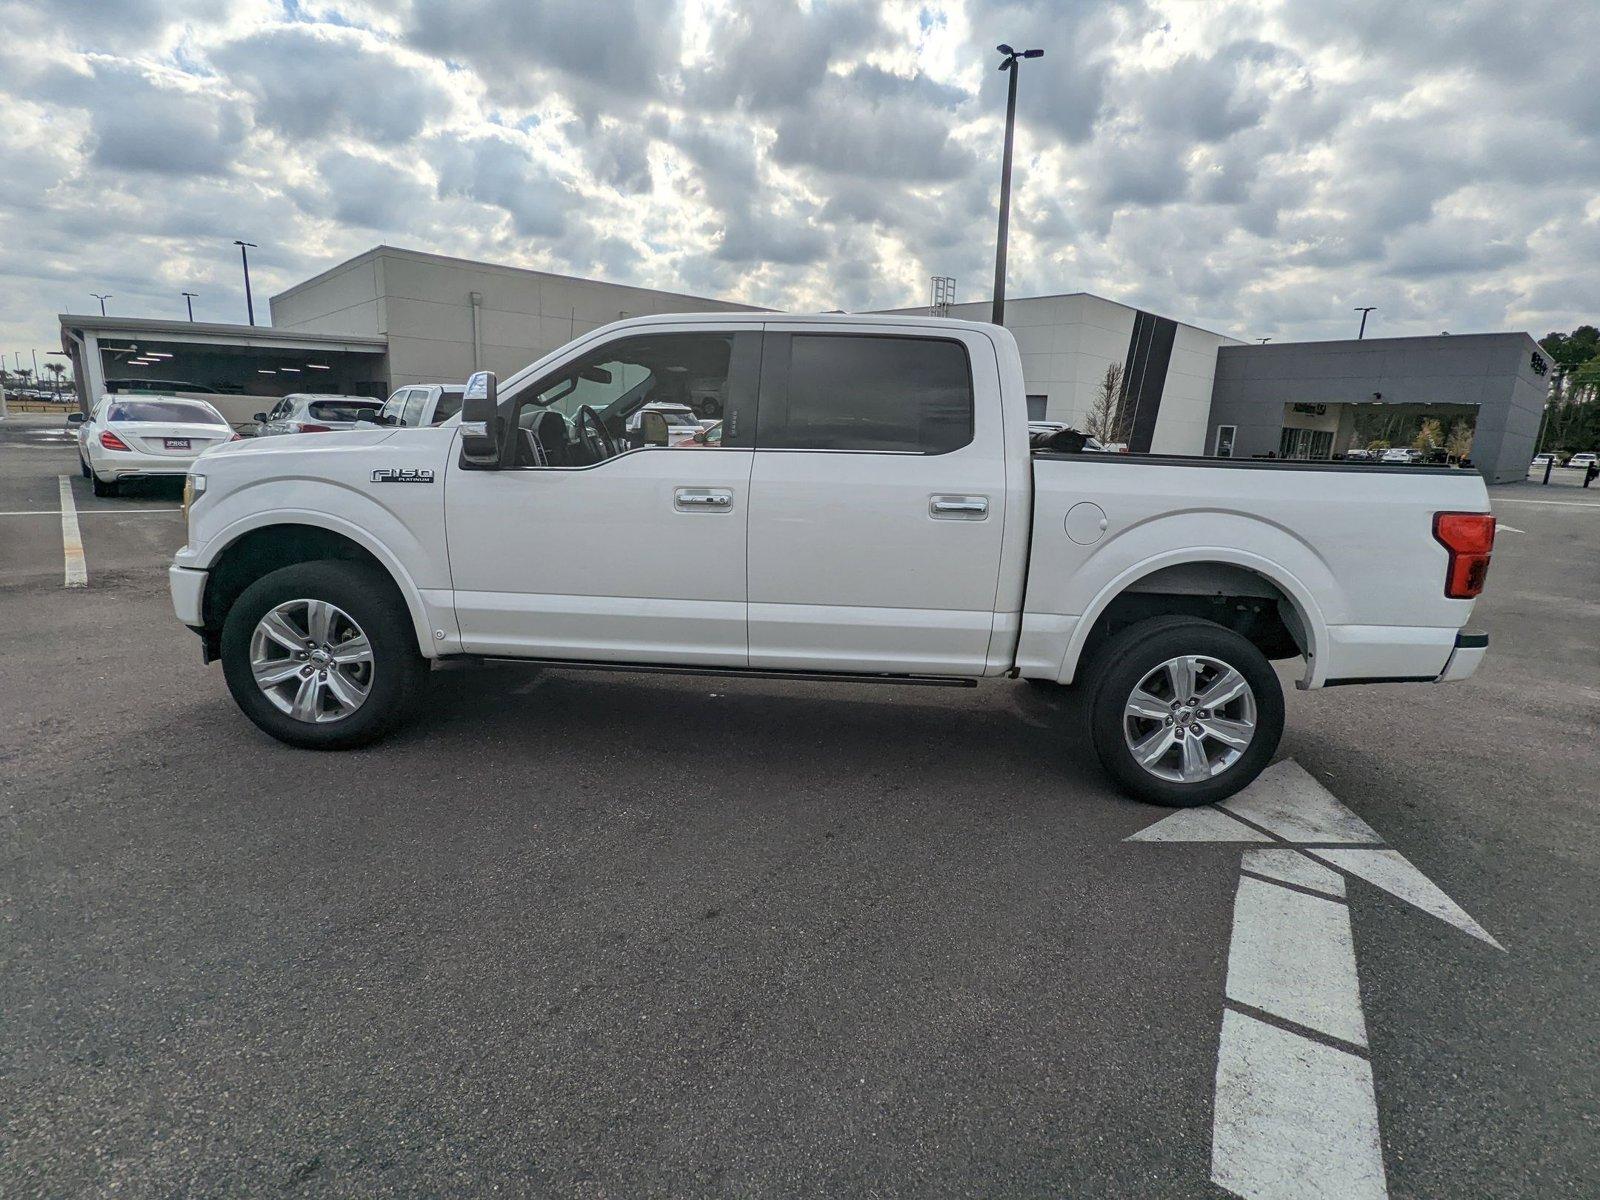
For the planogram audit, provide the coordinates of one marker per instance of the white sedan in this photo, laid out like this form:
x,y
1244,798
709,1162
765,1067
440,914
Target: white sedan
x,y
145,437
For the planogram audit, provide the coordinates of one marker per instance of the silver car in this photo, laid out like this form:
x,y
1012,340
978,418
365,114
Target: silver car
x,y
311,412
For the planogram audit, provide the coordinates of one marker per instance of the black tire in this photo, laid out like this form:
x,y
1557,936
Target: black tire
x,y
1125,660
101,487
368,595
83,468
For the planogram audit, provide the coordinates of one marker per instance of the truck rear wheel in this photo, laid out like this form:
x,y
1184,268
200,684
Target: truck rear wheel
x,y
322,655
1183,712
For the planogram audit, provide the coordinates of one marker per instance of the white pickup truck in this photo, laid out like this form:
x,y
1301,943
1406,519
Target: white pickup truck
x,y
873,513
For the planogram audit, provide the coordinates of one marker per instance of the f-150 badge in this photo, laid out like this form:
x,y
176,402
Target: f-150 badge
x,y
402,475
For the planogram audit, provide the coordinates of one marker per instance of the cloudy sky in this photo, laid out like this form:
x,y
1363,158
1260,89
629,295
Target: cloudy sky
x,y
1251,166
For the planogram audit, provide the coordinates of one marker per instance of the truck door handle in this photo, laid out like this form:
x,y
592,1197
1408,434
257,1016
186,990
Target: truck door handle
x,y
691,499
958,508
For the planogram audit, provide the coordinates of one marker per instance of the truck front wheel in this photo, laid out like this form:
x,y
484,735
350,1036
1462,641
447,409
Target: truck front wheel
x,y
322,655
1183,712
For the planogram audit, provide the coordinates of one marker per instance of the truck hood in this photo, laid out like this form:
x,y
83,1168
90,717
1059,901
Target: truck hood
x,y
299,443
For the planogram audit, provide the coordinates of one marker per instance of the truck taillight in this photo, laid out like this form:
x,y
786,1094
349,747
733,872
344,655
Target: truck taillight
x,y
1468,538
112,442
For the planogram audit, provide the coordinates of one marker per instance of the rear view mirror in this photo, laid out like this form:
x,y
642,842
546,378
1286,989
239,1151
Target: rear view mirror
x,y
77,418
480,423
595,375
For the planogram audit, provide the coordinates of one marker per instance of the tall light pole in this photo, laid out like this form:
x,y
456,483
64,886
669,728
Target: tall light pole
x,y
244,255
1364,311
102,300
1009,63
189,298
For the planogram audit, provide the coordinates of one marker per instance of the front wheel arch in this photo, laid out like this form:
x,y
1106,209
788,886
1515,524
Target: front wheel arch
x,y
260,551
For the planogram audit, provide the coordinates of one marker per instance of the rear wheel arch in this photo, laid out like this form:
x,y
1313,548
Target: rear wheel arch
x,y
1238,591
260,551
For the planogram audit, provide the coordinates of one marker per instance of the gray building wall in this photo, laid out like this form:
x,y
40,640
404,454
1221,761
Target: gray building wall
x,y
423,304
1494,371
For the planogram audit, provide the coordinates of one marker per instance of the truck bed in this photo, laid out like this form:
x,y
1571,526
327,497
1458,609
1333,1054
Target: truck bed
x,y
1349,546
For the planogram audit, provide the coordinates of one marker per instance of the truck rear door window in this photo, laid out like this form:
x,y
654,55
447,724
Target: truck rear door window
x,y
896,394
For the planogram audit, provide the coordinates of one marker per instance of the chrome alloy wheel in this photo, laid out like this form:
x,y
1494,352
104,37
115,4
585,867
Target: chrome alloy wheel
x,y
311,660
1190,719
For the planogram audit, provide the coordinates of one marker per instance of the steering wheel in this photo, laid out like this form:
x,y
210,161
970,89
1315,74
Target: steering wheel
x,y
592,431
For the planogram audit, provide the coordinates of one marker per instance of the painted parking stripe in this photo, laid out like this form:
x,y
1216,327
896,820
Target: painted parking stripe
x,y
1293,957
1291,866
77,571
1199,825
1393,872
87,512
1287,801
1296,1119
1548,503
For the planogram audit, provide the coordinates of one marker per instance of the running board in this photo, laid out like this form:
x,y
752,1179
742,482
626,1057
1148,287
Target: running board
x,y
566,664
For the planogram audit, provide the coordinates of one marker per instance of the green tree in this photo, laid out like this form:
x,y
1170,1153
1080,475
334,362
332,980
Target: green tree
x,y
1429,435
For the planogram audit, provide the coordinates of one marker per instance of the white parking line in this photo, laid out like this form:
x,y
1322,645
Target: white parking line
x,y
87,512
1295,1119
1550,503
1295,1114
1292,957
77,571
1393,872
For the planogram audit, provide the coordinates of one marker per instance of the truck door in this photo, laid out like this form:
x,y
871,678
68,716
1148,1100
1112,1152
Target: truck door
x,y
877,502
597,546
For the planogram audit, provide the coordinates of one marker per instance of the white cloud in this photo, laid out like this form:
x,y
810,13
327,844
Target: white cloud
x,y
1254,165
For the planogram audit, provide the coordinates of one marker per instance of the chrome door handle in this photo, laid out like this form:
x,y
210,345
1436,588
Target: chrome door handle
x,y
958,508
688,499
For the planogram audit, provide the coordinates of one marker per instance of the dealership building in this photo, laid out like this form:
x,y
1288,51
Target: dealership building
x,y
391,317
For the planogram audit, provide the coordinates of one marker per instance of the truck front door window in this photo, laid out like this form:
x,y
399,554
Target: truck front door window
x,y
633,394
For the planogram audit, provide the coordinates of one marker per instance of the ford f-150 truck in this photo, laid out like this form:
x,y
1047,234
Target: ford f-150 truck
x,y
873,513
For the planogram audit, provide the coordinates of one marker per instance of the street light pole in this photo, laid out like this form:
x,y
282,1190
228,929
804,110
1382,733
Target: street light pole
x,y
189,299
1008,64
244,255
102,300
1364,311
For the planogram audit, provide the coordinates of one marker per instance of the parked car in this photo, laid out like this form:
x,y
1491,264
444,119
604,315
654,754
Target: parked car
x,y
311,412
1584,459
884,520
421,404
1541,461
1401,454
144,437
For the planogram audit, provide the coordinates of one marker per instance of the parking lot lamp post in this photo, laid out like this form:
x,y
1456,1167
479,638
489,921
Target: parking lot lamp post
x,y
1364,311
189,299
244,255
102,300
1009,63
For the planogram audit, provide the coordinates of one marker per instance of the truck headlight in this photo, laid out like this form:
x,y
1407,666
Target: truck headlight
x,y
194,486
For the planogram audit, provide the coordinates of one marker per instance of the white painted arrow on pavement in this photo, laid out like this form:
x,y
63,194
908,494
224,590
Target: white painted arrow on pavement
x,y
1296,1115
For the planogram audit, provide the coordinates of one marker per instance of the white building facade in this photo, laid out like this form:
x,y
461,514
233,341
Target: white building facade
x,y
1068,341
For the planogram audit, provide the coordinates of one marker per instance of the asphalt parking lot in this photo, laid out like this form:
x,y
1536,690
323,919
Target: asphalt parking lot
x,y
605,935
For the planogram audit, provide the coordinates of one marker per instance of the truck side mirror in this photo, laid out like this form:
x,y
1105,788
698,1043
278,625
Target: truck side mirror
x,y
76,418
481,426
260,418
653,429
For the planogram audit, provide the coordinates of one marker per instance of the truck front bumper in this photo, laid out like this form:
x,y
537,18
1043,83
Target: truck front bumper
x,y
1470,648
188,588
